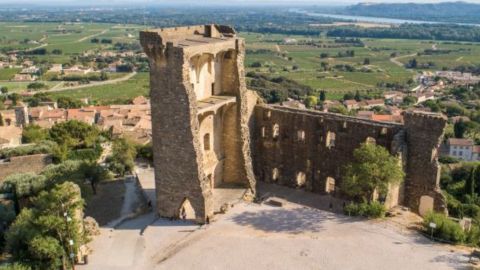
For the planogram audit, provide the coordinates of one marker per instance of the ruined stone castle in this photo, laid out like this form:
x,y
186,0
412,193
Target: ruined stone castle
x,y
210,132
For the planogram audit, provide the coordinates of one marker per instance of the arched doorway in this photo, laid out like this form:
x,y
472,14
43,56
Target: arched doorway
x,y
186,211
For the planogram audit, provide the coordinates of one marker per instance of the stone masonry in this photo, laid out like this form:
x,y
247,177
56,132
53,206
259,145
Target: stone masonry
x,y
204,120
201,136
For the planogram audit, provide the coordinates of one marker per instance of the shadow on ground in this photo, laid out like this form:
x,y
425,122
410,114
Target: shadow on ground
x,y
293,221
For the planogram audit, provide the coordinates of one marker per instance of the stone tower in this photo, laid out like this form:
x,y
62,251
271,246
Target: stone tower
x,y
201,137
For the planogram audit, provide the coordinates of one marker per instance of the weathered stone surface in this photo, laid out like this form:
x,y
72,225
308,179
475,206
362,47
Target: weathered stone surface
x,y
195,151
300,156
424,133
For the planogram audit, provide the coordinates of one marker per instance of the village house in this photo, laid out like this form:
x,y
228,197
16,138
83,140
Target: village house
x,y
46,117
56,68
141,100
23,78
394,110
393,97
369,104
329,104
86,115
291,103
463,149
387,118
132,121
422,97
76,70
30,70
27,63
10,136
365,114
351,104
8,118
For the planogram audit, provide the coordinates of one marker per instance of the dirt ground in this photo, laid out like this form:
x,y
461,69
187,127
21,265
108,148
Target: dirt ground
x,y
107,204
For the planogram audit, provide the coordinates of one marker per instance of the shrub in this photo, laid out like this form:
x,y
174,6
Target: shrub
x,y
369,210
447,229
145,151
45,147
88,154
448,160
34,134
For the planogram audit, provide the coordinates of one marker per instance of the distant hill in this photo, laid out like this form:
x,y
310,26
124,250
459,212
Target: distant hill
x,y
451,12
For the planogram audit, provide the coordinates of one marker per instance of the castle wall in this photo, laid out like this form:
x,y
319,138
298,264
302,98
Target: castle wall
x,y
24,164
308,150
174,129
424,133
296,148
186,64
311,147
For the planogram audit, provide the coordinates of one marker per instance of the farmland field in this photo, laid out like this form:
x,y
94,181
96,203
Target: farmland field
x,y
136,86
303,60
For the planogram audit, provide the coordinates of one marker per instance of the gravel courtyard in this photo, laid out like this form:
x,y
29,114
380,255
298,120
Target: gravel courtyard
x,y
252,236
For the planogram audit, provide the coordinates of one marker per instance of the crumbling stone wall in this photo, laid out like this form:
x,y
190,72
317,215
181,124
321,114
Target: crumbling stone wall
x,y
24,164
424,133
301,154
284,158
296,148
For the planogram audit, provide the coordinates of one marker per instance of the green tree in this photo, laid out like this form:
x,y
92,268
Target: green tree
x,y
68,103
2,123
470,182
36,86
322,96
366,61
74,134
373,169
477,179
4,90
311,101
103,76
357,96
44,236
459,129
123,156
34,134
409,100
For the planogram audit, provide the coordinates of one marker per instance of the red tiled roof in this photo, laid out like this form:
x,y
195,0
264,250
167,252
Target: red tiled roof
x,y
350,102
460,142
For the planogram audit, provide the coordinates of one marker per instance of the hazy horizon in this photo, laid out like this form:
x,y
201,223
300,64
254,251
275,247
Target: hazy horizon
x,y
206,2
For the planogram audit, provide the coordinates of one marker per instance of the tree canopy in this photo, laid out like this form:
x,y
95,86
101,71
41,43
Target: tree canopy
x,y
43,237
373,169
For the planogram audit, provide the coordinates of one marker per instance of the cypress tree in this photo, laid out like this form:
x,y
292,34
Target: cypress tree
x,y
470,183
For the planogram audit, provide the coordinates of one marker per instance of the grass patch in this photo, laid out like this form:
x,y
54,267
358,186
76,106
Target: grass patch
x,y
138,85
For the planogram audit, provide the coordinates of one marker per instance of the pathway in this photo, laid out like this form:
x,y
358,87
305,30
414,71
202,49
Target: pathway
x,y
59,89
92,36
398,63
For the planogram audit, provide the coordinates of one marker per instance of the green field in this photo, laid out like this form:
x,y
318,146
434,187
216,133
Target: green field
x,y
71,39
276,58
136,86
336,83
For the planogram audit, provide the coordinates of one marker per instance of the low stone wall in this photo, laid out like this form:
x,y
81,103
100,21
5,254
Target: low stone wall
x,y
24,164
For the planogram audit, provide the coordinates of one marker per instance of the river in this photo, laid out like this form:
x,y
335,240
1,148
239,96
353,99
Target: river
x,y
372,19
